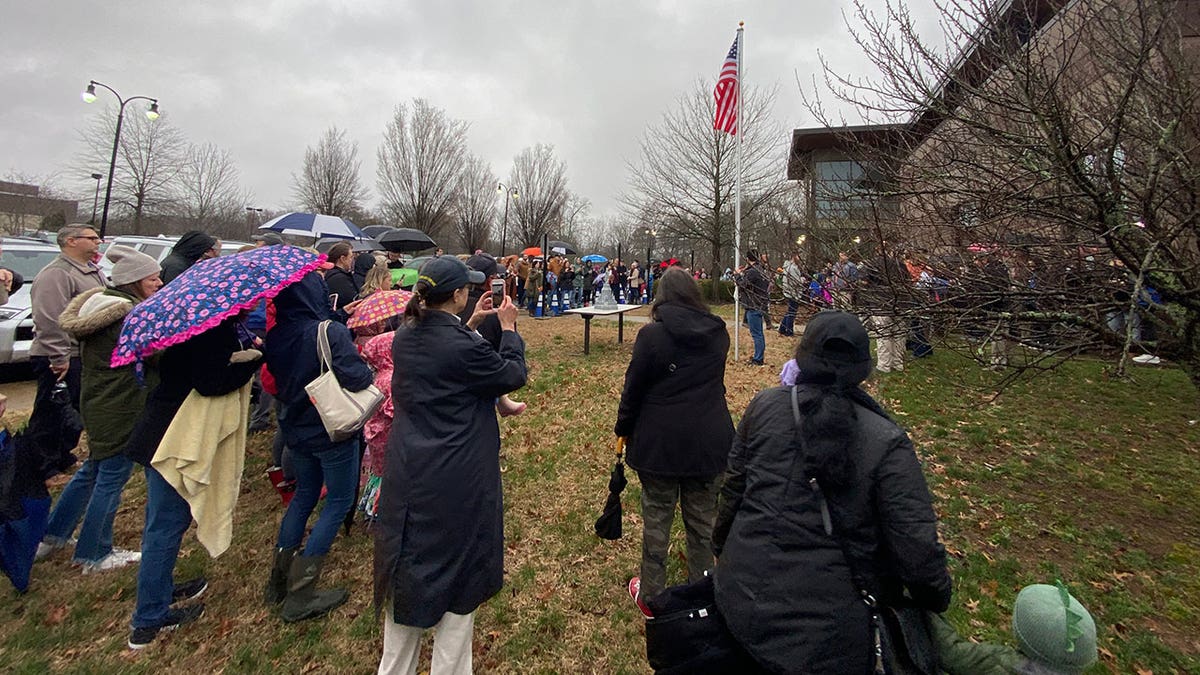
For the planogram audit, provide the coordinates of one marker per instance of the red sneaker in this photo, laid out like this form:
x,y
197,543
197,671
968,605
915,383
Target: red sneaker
x,y
635,592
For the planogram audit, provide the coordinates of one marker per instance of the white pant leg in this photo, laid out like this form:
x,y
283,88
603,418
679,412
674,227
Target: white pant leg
x,y
401,648
452,644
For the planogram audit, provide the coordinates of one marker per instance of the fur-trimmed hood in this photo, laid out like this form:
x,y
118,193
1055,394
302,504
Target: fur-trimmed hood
x,y
94,310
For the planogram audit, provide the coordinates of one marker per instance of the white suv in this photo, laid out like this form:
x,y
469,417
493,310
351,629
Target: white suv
x,y
26,257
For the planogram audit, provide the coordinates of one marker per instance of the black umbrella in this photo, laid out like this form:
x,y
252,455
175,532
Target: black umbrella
x,y
608,525
376,230
405,239
562,247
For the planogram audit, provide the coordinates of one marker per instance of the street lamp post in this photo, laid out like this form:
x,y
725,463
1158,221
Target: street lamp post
x,y
649,268
89,96
509,192
95,197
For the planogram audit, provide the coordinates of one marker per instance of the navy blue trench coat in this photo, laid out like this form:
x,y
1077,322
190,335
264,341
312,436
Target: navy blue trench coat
x,y
439,541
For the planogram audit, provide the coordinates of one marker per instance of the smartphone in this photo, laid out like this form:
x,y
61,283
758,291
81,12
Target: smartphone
x,y
497,292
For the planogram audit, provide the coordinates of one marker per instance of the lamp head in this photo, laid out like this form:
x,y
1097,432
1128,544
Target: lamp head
x,y
89,95
499,188
152,112
97,176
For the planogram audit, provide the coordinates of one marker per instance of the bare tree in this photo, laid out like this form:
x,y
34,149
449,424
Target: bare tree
x,y
684,181
475,208
149,158
1046,166
543,182
574,218
420,163
208,192
329,182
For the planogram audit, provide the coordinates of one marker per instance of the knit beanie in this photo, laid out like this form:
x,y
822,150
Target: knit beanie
x,y
1053,629
130,265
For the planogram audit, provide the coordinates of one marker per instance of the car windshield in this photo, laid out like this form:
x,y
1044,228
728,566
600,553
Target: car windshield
x,y
27,263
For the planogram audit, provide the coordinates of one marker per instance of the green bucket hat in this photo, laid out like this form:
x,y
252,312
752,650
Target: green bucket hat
x,y
1053,629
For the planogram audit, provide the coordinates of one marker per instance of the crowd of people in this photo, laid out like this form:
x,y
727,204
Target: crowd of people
x,y
813,502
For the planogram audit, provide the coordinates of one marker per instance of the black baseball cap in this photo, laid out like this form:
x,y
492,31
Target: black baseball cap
x,y
447,273
485,263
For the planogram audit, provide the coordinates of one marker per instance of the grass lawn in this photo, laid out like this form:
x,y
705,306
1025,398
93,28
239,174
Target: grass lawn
x,y
1071,475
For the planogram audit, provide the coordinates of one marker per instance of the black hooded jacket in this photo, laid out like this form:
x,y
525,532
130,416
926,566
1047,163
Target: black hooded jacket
x,y
200,363
342,284
673,408
291,352
363,263
783,582
186,252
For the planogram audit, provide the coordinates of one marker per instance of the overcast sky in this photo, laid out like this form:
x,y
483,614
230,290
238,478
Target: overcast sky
x,y
265,79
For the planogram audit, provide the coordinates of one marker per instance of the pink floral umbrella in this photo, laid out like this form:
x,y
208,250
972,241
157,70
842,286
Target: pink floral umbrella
x,y
379,306
206,294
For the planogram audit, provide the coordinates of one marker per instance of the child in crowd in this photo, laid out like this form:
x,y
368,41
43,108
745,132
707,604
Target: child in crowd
x,y
789,374
378,354
1055,636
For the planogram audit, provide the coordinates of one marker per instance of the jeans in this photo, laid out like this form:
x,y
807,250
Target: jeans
x,y
93,494
754,319
336,467
697,498
167,518
787,325
69,508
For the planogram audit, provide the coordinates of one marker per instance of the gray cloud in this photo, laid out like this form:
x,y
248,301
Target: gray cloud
x,y
264,79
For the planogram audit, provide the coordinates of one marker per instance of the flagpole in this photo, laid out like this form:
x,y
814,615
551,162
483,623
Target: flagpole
x,y
737,204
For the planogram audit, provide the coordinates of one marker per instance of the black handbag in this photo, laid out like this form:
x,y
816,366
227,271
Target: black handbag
x,y
902,636
688,635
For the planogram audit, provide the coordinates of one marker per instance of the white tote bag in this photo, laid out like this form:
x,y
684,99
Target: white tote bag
x,y
342,412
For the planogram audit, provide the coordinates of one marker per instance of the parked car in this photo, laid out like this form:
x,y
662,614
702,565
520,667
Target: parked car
x,y
231,247
158,247
27,257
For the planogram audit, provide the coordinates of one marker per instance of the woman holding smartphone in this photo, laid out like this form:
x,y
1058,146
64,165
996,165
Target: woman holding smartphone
x,y
439,543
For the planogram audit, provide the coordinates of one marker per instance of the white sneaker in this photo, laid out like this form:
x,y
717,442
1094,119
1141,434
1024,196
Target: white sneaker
x,y
127,556
47,548
112,561
1147,359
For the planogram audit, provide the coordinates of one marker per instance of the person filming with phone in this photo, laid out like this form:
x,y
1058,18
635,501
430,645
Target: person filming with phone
x,y
491,293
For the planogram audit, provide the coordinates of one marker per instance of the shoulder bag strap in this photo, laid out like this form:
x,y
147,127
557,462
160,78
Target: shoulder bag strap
x,y
827,521
323,352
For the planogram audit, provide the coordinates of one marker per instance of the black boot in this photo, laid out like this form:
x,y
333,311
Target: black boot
x,y
277,583
303,600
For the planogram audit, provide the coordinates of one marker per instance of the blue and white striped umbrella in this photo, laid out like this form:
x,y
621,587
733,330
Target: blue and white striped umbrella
x,y
313,225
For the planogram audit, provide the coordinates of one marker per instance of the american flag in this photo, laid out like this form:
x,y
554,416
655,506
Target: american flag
x,y
726,93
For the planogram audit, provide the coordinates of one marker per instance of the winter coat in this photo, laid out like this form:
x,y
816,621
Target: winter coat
x,y
885,287
959,656
363,263
342,284
673,410
754,288
378,354
53,287
439,540
782,583
110,398
200,363
186,252
291,354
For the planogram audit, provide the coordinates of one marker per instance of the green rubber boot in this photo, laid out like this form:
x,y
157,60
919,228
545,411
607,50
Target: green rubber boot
x,y
303,600
277,583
